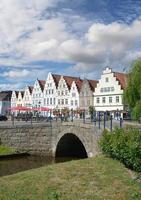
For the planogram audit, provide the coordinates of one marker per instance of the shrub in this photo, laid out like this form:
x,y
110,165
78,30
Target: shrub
x,y
123,145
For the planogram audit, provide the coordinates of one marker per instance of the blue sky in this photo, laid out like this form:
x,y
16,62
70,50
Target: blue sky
x,y
77,38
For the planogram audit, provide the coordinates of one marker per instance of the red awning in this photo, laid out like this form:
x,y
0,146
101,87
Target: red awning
x,y
19,108
45,109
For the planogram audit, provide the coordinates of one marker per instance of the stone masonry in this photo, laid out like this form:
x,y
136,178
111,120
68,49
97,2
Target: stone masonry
x,y
42,139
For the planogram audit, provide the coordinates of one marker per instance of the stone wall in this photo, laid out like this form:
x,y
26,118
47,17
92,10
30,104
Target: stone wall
x,y
43,139
35,140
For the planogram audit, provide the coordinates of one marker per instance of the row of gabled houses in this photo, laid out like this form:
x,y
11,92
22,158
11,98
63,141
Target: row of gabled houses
x,y
59,92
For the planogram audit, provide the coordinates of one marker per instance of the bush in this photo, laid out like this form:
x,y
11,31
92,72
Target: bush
x,y
123,145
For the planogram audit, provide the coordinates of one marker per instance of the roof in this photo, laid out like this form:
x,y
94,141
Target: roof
x,y
93,84
22,93
30,89
79,84
56,78
70,79
42,84
5,95
122,78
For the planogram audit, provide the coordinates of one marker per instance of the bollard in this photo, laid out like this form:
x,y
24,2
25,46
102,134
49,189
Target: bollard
x,y
84,116
111,123
94,118
104,120
99,120
121,121
71,115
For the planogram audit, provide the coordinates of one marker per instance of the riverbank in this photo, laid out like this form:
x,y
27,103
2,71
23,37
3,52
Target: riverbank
x,y
94,178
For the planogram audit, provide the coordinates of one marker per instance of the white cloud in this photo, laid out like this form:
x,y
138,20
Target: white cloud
x,y
26,36
16,74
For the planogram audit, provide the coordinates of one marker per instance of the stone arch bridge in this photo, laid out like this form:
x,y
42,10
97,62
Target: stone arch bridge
x,y
56,139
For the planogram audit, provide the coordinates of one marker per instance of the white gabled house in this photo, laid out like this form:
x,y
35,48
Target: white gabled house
x,y
50,91
27,98
74,94
14,98
108,95
37,93
65,91
20,101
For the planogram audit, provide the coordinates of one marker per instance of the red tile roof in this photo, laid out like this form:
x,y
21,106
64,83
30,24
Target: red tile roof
x,y
70,79
42,84
122,78
56,78
93,84
30,89
79,84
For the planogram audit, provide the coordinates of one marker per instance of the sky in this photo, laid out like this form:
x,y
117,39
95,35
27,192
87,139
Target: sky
x,y
77,37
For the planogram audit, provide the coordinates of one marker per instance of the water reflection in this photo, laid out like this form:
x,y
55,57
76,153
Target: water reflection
x,y
12,166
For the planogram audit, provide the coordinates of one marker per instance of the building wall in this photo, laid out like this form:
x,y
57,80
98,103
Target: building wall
x,y
63,95
108,93
74,97
37,95
50,93
86,97
27,99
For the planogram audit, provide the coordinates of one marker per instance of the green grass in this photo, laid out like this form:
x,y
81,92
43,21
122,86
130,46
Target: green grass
x,y
98,178
6,150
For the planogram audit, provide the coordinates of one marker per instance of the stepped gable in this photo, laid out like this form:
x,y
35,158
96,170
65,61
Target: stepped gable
x,y
70,79
122,78
30,89
5,95
42,84
93,84
56,78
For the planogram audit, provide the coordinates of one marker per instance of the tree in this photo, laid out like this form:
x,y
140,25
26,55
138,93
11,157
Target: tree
x,y
132,94
91,111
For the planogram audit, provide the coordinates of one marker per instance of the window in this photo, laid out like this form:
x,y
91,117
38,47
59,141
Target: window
x,y
112,89
54,101
66,101
66,92
58,93
47,101
73,94
110,99
71,102
117,99
50,101
88,102
103,100
97,100
58,101
76,102
62,101
107,79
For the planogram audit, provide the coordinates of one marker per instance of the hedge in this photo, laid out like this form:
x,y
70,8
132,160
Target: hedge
x,y
123,145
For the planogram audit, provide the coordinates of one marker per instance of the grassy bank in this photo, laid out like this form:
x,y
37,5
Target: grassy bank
x,y
6,150
96,178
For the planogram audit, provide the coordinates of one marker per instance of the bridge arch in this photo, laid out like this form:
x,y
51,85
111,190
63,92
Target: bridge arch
x,y
70,145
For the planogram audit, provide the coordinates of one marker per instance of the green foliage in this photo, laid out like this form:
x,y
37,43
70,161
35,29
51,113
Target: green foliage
x,y
91,111
132,94
6,150
124,145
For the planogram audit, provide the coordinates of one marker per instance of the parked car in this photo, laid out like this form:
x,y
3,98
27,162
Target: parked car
x,y
3,118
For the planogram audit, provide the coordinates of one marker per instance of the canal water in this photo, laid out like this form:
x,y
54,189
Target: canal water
x,y
14,165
